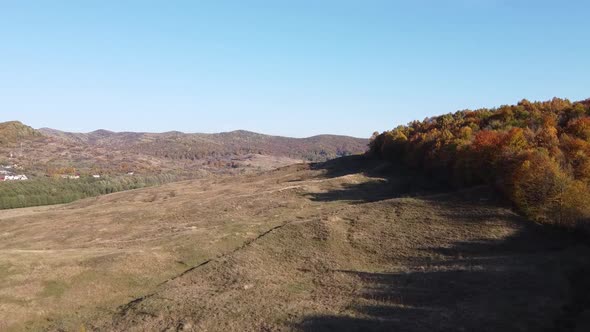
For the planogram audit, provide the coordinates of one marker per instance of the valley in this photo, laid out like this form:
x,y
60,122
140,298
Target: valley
x,y
47,166
50,152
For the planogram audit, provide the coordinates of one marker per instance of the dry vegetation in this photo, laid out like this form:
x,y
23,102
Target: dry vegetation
x,y
335,246
107,151
52,152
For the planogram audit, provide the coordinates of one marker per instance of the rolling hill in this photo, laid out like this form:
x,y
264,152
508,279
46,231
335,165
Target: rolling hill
x,y
177,145
348,245
108,151
63,167
420,234
13,132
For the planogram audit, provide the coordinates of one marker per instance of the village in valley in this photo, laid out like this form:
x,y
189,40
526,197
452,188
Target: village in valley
x,y
9,172
14,172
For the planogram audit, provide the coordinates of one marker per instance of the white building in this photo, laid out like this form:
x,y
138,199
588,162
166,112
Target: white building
x,y
20,177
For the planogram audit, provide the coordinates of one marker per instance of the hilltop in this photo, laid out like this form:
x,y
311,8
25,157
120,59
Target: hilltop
x,y
14,131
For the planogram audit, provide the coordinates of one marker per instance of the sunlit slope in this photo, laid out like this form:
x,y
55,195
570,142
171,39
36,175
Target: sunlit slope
x,y
337,246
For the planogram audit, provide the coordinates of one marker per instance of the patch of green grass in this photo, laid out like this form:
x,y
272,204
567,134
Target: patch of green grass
x,y
54,288
298,288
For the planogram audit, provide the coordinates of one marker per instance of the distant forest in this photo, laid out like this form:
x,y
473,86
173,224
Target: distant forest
x,y
18,194
536,153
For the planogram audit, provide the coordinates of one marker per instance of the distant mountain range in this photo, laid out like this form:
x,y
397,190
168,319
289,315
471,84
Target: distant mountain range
x,y
107,151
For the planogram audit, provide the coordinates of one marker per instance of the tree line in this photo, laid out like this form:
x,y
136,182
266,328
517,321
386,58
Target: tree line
x,y
46,191
536,153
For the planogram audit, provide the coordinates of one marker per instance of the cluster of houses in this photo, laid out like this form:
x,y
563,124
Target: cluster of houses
x,y
10,172
18,177
6,173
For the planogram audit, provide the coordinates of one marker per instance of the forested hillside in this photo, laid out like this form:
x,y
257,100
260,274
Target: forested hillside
x,y
537,153
195,146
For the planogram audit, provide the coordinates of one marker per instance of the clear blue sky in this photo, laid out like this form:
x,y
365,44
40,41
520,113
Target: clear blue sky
x,y
295,68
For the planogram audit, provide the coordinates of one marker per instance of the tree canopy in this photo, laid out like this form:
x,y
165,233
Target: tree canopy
x,y
537,153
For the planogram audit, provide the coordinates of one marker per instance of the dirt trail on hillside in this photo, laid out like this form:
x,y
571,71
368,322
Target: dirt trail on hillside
x,y
340,246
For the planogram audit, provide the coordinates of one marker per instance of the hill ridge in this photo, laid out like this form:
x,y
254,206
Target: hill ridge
x,y
105,151
52,131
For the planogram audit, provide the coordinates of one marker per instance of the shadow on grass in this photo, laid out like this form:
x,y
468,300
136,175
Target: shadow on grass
x,y
486,291
528,281
352,165
388,181
523,282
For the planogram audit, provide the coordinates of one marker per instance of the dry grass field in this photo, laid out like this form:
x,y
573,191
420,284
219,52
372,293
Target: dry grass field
x,y
308,247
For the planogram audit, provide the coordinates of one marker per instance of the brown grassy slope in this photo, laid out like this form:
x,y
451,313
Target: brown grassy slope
x,y
326,247
440,262
106,152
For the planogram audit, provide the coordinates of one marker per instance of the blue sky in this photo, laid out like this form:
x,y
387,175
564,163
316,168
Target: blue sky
x,y
294,68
